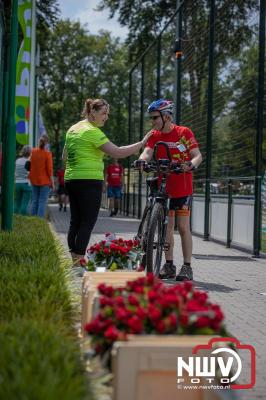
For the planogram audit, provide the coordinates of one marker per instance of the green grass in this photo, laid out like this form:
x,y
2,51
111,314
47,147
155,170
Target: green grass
x,y
40,355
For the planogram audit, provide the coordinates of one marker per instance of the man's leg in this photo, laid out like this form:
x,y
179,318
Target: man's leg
x,y
186,237
186,242
110,195
117,199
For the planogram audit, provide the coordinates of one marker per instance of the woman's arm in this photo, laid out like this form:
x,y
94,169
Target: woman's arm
x,y
124,151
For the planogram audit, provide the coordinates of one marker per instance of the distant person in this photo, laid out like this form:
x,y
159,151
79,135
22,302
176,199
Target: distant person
x,y
41,178
84,150
22,183
114,179
61,190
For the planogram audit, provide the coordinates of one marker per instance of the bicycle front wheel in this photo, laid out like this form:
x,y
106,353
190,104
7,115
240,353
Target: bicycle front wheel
x,y
155,244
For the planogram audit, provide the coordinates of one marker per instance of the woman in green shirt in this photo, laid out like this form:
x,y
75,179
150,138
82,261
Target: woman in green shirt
x,y
84,149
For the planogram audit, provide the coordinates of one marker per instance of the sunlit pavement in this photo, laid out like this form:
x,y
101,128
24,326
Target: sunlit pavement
x,y
237,282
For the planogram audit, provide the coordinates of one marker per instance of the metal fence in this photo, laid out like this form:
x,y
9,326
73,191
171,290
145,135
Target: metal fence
x,y
210,59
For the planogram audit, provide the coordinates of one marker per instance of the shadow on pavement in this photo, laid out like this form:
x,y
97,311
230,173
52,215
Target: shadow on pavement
x,y
213,287
207,286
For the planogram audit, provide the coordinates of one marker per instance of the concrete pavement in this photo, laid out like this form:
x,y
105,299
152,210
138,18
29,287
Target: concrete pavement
x,y
233,279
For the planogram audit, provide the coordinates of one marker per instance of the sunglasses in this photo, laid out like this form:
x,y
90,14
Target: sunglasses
x,y
154,117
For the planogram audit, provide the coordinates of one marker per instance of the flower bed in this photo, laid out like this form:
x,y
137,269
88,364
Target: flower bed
x,y
147,306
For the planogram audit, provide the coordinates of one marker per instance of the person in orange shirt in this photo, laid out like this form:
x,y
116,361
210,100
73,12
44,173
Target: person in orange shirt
x,y
41,178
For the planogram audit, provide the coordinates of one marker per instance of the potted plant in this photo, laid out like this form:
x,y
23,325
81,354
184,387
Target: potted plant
x,y
113,254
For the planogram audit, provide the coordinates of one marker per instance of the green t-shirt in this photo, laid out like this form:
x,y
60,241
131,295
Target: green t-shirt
x,y
84,158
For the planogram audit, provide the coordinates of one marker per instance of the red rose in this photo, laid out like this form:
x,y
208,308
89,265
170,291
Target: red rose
x,y
119,300
111,333
154,313
141,313
202,322
135,324
121,313
82,262
160,326
152,295
183,319
133,300
173,319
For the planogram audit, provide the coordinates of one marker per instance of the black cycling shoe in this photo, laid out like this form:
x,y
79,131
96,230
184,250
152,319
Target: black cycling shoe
x,y
185,274
168,271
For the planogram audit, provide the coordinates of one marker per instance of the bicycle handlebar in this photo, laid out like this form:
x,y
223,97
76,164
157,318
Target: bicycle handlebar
x,y
163,165
165,145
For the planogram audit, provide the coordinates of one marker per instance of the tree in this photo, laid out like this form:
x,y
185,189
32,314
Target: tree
x,y
79,65
47,12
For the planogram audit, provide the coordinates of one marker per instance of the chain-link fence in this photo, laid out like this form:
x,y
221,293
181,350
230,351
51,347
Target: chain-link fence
x,y
215,75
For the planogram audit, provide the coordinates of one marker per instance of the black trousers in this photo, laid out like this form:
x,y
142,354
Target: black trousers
x,y
85,201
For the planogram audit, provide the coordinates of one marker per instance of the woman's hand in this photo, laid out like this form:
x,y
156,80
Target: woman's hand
x,y
146,137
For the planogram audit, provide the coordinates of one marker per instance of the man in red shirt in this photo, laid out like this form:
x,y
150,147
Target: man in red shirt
x,y
184,149
114,177
61,190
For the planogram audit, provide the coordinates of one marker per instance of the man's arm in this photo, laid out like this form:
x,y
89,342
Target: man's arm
x,y
147,154
196,157
195,161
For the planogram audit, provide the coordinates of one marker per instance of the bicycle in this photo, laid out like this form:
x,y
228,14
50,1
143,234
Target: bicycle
x,y
153,225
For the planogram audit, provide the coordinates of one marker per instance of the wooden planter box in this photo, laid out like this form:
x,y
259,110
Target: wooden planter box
x,y
89,289
145,368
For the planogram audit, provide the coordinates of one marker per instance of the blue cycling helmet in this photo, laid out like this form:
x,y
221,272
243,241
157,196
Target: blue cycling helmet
x,y
161,105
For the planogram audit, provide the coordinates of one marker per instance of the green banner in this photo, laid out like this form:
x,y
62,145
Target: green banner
x,y
22,103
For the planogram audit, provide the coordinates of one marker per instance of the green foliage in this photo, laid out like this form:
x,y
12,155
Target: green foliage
x,y
78,65
36,364
40,356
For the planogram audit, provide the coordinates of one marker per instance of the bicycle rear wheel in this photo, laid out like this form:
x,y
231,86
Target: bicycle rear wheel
x,y
154,248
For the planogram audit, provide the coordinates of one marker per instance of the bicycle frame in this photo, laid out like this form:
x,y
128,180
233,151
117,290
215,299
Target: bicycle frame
x,y
162,168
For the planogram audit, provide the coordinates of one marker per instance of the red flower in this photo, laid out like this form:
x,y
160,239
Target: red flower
x,y
111,333
133,300
202,322
183,319
173,319
154,312
121,313
160,326
135,324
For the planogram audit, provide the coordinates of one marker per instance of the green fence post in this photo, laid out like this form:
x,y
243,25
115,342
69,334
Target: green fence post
x,y
129,137
141,128
158,81
259,135
229,213
9,143
209,122
178,55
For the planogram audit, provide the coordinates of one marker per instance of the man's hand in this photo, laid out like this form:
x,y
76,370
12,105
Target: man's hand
x,y
140,165
187,166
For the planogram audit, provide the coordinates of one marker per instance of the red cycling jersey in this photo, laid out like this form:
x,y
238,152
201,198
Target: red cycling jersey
x,y
60,175
180,141
114,175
